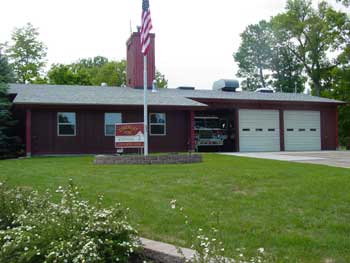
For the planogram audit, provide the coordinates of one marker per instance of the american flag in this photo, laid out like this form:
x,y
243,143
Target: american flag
x,y
146,26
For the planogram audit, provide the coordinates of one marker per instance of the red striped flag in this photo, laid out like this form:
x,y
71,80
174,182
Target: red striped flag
x,y
146,26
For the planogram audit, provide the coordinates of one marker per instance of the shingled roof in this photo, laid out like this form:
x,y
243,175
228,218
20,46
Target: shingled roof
x,y
96,95
93,95
249,95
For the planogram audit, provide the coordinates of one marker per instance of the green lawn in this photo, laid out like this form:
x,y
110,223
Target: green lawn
x,y
299,212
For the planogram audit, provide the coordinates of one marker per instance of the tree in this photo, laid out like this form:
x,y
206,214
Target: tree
x,y
345,2
310,34
8,142
162,82
91,71
26,53
94,62
94,71
254,54
112,73
286,71
338,82
262,60
62,75
6,73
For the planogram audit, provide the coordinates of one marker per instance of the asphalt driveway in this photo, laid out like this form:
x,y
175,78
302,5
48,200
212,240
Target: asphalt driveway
x,y
331,158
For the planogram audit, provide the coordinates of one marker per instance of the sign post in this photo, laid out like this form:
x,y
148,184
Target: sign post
x,y
129,135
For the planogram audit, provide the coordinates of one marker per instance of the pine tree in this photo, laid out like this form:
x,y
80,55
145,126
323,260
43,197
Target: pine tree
x,y
9,144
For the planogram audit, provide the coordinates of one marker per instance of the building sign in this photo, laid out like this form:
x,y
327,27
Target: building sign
x,y
129,135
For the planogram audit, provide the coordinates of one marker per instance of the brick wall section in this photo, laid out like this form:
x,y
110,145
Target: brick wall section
x,y
151,159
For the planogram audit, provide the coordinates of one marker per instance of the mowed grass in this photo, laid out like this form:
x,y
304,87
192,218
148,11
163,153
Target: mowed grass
x,y
298,212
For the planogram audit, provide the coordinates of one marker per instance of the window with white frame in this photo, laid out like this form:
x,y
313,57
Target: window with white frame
x,y
111,118
66,124
157,124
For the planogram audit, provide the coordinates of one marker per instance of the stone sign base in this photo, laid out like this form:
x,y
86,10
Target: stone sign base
x,y
150,159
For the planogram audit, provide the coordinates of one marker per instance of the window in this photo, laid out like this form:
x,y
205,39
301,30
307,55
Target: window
x,y
111,119
157,124
66,124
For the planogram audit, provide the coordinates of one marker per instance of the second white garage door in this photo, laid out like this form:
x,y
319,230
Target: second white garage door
x,y
259,131
302,130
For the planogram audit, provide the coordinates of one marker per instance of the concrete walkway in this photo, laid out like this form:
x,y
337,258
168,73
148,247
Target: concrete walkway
x,y
330,158
166,253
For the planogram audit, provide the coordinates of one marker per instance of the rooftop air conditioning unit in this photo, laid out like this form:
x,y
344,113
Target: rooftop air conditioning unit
x,y
265,90
186,88
226,85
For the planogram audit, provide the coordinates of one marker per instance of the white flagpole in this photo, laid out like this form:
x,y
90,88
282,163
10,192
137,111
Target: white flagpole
x,y
145,110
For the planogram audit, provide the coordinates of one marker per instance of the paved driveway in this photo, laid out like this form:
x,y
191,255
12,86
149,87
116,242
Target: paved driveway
x,y
331,158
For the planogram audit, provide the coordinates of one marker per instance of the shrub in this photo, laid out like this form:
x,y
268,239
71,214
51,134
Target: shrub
x,y
34,229
12,202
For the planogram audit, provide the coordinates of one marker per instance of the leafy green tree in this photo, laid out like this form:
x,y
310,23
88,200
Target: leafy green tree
x,y
338,82
94,71
311,35
8,142
345,2
6,73
262,60
89,72
286,71
62,75
26,53
113,73
162,82
95,62
254,54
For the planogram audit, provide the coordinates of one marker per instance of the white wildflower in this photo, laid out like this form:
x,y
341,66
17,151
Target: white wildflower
x,y
173,204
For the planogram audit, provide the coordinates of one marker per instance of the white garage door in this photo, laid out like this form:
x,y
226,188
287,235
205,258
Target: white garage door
x,y
302,130
259,131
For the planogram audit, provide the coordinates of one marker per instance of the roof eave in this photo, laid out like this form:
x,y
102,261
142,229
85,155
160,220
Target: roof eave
x,y
267,101
76,105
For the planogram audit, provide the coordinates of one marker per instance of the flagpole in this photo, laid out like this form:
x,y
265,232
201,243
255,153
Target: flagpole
x,y
145,109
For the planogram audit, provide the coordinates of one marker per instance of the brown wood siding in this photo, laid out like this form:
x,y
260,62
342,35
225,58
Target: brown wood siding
x,y
90,137
282,144
328,115
90,125
236,123
329,129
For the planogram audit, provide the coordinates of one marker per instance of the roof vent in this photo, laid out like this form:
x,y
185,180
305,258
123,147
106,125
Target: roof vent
x,y
265,90
186,88
154,86
104,84
226,85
